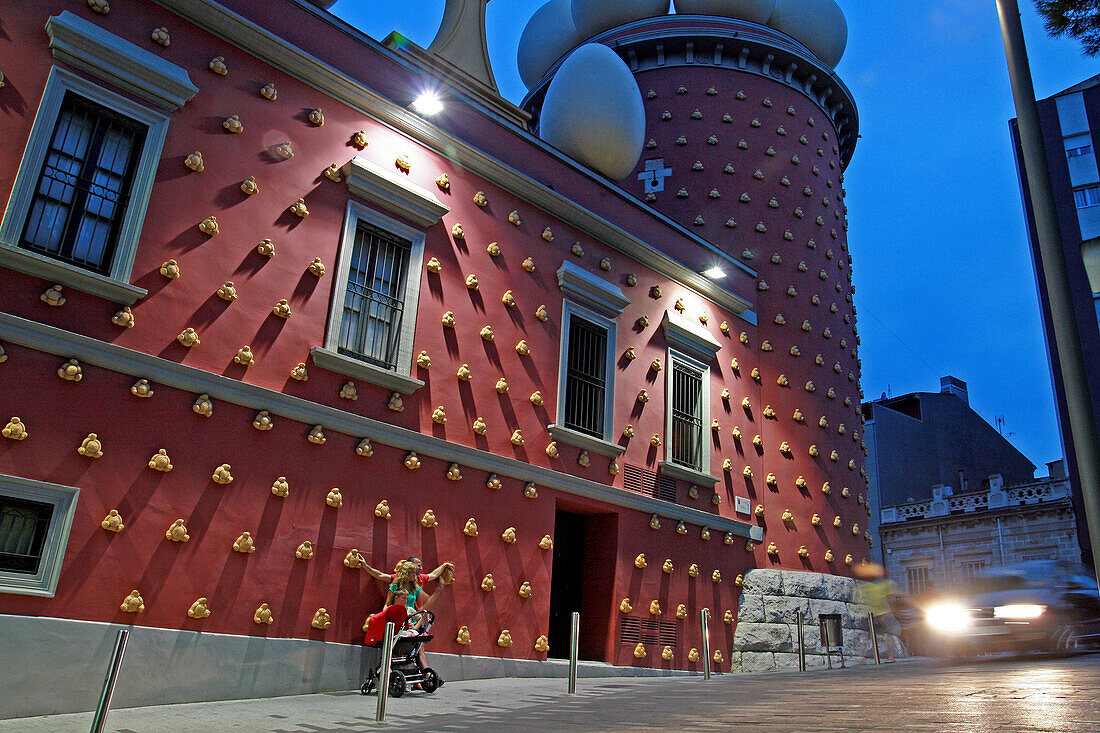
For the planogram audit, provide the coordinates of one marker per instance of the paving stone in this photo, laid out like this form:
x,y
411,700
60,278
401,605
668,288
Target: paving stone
x,y
1025,695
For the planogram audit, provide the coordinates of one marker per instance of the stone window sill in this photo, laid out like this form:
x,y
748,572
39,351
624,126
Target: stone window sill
x,y
563,434
63,273
668,468
356,369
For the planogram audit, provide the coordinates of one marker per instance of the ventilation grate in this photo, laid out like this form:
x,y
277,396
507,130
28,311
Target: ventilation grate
x,y
650,483
647,631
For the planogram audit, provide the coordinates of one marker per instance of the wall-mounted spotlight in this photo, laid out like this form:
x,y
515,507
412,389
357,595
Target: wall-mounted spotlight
x,y
427,104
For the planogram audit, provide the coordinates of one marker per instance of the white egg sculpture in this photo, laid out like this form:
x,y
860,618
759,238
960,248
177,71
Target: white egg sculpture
x,y
819,25
594,113
757,11
546,38
592,17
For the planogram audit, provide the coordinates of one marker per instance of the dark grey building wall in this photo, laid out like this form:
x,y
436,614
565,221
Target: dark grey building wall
x,y
1080,289
908,455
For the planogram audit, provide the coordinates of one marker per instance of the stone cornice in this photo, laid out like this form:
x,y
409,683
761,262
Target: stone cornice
x,y
293,61
976,516
86,46
66,344
371,182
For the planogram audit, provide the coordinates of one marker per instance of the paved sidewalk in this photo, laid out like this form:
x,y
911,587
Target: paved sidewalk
x,y
1022,696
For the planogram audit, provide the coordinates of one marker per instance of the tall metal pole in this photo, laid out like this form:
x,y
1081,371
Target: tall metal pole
x,y
1067,341
574,650
704,620
801,643
384,672
104,706
874,636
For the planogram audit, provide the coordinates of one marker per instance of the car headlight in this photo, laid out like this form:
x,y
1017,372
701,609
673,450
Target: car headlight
x,y
1019,611
948,617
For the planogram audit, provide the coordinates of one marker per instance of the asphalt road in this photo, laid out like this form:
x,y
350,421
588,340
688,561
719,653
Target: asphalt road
x,y
1019,695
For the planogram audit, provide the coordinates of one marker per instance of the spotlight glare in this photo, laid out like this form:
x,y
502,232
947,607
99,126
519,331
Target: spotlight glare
x,y
427,104
714,273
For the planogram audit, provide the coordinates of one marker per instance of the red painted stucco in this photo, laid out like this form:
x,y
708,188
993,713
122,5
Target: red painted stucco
x,y
101,568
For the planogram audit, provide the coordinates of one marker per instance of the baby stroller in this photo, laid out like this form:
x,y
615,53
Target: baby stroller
x,y
405,669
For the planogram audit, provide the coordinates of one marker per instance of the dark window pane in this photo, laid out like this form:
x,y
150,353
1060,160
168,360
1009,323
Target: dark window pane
x,y
585,377
373,304
23,526
84,186
687,416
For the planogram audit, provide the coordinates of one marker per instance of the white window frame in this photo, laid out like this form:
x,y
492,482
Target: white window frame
x,y
328,357
63,499
602,445
114,286
697,475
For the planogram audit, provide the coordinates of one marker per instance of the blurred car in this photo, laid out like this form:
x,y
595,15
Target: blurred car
x,y
1033,606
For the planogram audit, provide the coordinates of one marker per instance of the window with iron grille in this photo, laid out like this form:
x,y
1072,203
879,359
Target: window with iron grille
x,y
971,569
84,187
370,328
79,199
586,378
687,414
917,579
23,526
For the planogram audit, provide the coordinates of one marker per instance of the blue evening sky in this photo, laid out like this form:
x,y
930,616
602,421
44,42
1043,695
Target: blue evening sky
x,y
943,273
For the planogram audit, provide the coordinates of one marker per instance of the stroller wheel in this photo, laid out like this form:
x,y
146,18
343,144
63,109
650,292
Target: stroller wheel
x,y
397,683
368,686
430,681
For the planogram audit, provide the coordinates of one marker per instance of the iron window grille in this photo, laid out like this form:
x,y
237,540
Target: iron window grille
x,y
371,326
23,527
586,378
917,580
84,187
687,415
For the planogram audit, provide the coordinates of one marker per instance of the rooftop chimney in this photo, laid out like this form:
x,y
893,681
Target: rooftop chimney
x,y
955,386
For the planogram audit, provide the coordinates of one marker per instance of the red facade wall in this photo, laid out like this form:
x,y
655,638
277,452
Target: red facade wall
x,y
101,568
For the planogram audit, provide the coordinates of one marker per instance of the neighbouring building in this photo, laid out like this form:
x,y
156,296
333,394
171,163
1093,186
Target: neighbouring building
x,y
941,542
267,315
924,439
1069,122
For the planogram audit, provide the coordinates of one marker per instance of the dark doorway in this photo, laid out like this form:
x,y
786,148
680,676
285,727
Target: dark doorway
x,y
566,579
582,577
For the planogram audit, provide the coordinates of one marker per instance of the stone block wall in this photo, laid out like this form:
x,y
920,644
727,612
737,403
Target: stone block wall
x,y
766,637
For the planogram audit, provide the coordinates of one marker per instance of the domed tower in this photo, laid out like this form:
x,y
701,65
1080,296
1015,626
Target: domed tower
x,y
747,133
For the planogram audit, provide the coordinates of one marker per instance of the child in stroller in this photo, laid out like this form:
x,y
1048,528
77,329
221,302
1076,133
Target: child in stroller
x,y
407,665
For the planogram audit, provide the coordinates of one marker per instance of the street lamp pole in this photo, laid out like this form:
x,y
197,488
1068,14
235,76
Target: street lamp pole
x,y
1067,342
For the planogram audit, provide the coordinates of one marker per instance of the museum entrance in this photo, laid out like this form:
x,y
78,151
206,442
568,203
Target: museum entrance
x,y
582,578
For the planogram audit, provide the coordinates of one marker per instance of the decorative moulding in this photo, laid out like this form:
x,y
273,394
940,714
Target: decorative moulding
x,y
170,374
691,339
337,362
88,47
393,192
587,442
590,290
